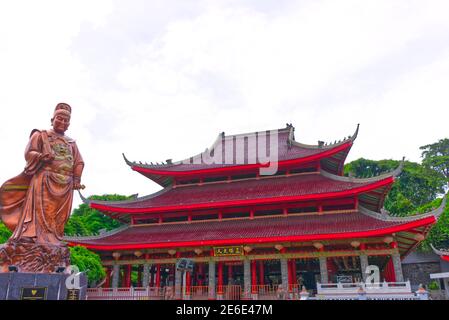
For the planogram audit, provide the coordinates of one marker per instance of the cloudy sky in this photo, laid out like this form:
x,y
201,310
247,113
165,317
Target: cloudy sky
x,y
161,79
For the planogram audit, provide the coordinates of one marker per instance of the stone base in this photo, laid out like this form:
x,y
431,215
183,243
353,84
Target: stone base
x,y
31,257
39,286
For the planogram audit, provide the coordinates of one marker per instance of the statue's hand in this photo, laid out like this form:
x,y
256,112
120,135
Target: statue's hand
x,y
78,186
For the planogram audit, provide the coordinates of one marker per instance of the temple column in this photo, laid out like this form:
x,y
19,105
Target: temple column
x,y
261,273
129,269
247,278
397,266
323,270
146,275
363,265
284,274
178,284
188,285
290,277
294,280
254,290
115,275
158,275
212,280
220,281
229,274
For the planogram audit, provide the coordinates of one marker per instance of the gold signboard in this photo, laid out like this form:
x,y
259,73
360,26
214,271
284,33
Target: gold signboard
x,y
73,294
228,251
33,293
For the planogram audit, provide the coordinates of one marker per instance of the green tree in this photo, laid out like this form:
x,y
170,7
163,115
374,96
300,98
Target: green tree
x,y
5,233
436,157
86,221
88,262
439,234
416,185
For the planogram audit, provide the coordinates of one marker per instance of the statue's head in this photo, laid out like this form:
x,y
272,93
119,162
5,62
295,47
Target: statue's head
x,y
61,118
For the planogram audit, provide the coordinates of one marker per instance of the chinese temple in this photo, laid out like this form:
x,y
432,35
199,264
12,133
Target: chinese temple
x,y
304,225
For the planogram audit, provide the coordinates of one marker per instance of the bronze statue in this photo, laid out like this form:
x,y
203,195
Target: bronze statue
x,y
36,204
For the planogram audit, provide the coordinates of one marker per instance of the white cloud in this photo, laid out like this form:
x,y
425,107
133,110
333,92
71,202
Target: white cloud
x,y
160,80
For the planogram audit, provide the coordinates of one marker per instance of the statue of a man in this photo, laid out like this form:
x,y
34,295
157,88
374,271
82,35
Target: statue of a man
x,y
36,204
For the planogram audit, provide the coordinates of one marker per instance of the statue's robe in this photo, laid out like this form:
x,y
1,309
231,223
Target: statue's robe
x,y
36,204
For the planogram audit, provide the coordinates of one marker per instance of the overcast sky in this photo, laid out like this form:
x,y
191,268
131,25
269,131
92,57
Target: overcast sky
x,y
161,79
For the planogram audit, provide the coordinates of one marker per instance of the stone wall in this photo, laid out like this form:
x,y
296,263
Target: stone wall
x,y
419,273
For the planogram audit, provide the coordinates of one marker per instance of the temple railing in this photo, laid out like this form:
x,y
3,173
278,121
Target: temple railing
x,y
199,292
383,290
149,293
371,288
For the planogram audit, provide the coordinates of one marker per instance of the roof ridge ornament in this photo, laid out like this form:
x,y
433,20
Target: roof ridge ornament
x,y
356,133
439,252
397,172
84,199
129,163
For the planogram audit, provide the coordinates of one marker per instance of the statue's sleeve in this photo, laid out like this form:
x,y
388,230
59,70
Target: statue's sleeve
x,y
78,164
33,153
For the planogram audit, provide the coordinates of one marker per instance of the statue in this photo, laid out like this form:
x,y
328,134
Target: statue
x,y
36,204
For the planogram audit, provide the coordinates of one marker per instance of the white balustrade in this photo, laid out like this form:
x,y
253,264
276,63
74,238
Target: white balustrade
x,y
380,290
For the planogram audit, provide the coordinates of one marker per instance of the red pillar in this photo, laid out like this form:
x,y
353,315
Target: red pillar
x,y
254,276
289,265
220,278
158,275
188,283
128,275
294,271
261,273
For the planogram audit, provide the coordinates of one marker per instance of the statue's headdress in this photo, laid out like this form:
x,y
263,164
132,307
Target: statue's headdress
x,y
63,109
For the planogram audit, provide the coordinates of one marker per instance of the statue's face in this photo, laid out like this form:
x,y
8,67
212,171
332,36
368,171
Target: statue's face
x,y
61,123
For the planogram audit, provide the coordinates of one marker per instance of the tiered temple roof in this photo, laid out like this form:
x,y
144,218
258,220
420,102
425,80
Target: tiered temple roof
x,y
289,152
311,227
293,188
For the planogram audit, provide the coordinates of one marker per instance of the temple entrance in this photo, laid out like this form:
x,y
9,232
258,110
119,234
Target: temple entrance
x,y
345,270
307,274
272,276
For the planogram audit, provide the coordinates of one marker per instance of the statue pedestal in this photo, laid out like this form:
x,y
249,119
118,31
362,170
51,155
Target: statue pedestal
x,y
33,257
40,286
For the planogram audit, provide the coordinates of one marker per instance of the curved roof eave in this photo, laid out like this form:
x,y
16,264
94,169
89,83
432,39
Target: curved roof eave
x,y
436,213
394,174
158,169
111,206
333,236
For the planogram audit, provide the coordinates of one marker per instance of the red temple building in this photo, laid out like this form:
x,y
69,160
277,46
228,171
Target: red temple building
x,y
248,233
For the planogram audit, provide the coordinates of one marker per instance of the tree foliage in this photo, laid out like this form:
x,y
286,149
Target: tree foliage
x,y
85,221
439,234
416,185
436,157
5,233
88,262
